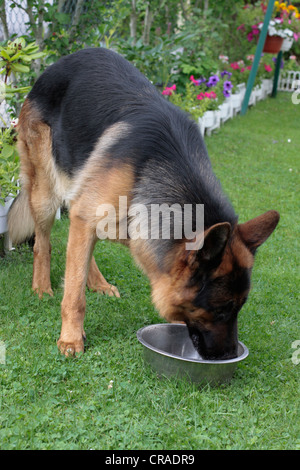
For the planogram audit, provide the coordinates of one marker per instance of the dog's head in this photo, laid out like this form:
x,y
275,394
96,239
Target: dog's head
x,y
206,288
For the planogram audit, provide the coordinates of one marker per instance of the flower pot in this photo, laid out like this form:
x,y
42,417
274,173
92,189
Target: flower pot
x,y
236,102
3,214
241,88
209,119
224,111
252,99
201,125
287,44
266,86
259,93
273,44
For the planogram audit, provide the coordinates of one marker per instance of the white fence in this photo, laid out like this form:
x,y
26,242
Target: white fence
x,y
289,81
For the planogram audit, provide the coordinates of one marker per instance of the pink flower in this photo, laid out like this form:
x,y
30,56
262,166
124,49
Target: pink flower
x,y
201,96
268,68
248,67
169,90
213,95
234,66
250,36
195,82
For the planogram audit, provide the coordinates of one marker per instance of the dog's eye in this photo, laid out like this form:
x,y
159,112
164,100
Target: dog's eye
x,y
192,310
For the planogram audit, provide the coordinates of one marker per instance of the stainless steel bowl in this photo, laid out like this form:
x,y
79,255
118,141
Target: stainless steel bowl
x,y
169,351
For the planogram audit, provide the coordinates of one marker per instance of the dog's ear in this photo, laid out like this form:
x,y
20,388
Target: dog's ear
x,y
210,244
256,231
215,240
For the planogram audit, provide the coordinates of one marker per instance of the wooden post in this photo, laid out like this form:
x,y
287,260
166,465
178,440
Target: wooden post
x,y
276,75
259,49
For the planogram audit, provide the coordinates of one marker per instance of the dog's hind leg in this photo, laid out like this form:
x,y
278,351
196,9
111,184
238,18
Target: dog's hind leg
x,y
97,282
38,177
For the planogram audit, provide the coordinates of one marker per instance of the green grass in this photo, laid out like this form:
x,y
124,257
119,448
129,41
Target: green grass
x,y
48,401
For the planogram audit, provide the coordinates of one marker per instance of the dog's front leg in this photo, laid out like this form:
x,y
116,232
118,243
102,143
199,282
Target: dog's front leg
x,y
79,251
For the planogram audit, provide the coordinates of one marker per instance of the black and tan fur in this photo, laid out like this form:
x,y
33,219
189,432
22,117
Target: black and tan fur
x,y
93,129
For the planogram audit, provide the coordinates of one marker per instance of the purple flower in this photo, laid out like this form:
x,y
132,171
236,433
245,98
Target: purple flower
x,y
225,73
227,85
226,93
281,64
213,80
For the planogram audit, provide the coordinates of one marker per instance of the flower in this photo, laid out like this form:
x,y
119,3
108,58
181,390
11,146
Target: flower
x,y
14,122
198,81
213,80
234,66
169,90
223,58
201,96
210,95
227,85
268,68
225,72
226,93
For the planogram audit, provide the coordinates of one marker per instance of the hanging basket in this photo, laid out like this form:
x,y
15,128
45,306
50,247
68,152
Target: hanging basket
x,y
273,44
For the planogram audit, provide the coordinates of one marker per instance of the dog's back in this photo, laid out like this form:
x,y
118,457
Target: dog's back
x,y
83,94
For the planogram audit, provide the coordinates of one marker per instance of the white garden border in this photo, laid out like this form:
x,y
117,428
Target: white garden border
x,y
212,120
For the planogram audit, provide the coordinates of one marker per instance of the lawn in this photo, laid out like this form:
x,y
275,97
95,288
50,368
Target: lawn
x,y
48,401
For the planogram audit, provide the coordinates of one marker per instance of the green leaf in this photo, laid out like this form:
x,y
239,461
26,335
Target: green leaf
x,y
16,56
5,54
20,68
36,55
7,150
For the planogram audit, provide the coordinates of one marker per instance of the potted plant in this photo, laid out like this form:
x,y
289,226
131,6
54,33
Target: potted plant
x,y
9,171
290,19
251,18
15,59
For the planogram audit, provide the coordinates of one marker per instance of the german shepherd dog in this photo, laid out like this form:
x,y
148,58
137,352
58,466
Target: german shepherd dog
x,y
92,129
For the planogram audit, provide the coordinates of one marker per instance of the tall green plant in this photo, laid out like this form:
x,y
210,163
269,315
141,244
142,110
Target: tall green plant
x,y
16,59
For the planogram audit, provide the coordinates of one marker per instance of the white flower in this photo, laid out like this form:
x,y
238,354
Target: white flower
x,y
110,385
14,122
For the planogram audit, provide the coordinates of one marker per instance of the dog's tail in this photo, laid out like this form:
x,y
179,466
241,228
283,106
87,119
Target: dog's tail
x,y
20,220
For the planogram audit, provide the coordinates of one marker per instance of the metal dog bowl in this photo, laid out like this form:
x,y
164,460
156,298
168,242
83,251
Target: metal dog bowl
x,y
169,351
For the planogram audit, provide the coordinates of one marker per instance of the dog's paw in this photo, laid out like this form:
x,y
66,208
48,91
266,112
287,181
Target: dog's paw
x,y
106,288
111,291
40,291
70,348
